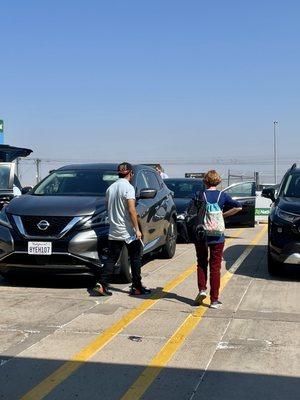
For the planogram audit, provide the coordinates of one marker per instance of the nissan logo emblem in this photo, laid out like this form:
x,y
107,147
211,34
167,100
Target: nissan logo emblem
x,y
43,225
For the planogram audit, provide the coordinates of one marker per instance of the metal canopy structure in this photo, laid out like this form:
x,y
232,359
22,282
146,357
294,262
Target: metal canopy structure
x,y
10,153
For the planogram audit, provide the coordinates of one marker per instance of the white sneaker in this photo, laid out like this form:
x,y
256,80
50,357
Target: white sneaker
x,y
216,304
200,297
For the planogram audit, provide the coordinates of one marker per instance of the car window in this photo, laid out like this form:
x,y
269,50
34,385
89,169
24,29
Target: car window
x,y
184,188
141,182
4,176
152,180
292,186
244,189
76,183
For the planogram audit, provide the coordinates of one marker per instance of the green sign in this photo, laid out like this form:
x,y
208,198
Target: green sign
x,y
1,126
262,211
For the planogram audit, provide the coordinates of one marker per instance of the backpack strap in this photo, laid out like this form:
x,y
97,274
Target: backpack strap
x,y
219,197
204,195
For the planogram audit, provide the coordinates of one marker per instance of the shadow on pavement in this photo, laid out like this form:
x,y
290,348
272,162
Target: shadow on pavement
x,y
108,381
47,281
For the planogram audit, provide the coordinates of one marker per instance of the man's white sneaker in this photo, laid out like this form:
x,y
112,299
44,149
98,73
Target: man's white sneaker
x,y
216,304
200,297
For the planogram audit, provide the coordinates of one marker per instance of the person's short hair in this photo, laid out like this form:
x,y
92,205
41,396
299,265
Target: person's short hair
x,y
158,167
124,169
212,178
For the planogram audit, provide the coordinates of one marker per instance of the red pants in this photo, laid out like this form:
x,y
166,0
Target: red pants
x,y
215,260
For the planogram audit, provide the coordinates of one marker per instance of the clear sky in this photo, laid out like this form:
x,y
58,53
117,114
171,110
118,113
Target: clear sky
x,y
159,79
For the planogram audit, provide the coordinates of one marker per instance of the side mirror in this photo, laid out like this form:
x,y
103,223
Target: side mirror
x,y
268,193
26,189
147,193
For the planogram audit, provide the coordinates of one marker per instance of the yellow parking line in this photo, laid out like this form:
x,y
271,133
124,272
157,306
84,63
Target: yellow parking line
x,y
136,391
62,373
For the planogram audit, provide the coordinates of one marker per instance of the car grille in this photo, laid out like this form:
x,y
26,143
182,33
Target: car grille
x,y
56,225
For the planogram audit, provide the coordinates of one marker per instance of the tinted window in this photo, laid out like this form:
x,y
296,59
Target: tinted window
x,y
152,181
76,183
292,186
184,188
241,190
4,176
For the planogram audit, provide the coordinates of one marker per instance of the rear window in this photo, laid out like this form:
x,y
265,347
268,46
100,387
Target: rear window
x,y
76,183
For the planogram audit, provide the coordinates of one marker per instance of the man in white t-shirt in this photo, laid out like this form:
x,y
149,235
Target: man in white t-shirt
x,y
124,230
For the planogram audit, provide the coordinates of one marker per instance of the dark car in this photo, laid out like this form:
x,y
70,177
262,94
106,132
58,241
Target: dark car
x,y
284,222
9,182
185,188
61,225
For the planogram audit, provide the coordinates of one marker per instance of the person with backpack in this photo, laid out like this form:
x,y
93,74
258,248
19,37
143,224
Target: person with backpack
x,y
209,239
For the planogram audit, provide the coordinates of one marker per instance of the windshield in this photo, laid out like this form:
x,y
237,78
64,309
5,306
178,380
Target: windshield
x,y
4,176
76,183
292,186
184,188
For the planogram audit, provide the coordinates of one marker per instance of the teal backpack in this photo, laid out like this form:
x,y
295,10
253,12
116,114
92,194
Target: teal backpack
x,y
214,224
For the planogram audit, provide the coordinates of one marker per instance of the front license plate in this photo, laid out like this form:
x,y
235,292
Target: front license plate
x,y
40,248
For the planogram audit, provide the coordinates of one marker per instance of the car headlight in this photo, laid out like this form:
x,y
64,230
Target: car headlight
x,y
4,219
286,216
100,219
181,217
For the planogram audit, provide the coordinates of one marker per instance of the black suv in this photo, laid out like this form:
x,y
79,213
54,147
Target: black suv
x,y
61,224
284,222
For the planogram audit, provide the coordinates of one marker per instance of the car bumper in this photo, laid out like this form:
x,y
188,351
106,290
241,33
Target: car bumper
x,y
289,254
77,252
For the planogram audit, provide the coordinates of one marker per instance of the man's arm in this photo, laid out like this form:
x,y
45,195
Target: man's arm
x,y
133,217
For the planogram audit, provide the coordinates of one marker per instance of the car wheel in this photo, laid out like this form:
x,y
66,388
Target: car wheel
x,y
125,266
168,249
273,266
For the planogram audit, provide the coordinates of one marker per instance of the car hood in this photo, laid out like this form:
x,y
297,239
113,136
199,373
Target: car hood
x,y
289,204
67,206
181,204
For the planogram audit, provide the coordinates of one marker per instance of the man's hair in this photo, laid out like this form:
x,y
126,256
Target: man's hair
x,y
212,178
124,169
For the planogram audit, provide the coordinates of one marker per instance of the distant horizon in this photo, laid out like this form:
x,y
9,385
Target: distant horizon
x,y
27,169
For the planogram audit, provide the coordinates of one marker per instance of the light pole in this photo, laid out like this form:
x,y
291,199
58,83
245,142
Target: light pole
x,y
275,123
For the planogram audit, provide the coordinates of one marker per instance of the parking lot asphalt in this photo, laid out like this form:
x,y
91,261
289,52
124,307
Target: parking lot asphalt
x,y
57,342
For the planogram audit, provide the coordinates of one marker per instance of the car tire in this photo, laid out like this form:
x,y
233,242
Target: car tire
x,y
273,266
169,248
125,266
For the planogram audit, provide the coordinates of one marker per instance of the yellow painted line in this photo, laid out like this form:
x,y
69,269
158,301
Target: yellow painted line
x,y
62,373
136,391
